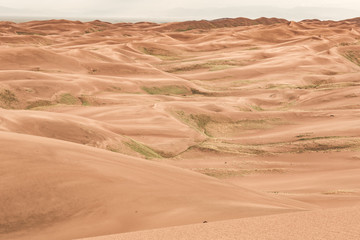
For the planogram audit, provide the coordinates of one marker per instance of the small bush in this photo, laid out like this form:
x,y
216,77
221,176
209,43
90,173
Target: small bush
x,y
7,98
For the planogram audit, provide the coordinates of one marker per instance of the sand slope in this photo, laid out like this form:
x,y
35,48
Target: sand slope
x,y
49,185
325,224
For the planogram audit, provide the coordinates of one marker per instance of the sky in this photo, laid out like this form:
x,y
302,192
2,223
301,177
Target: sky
x,y
185,9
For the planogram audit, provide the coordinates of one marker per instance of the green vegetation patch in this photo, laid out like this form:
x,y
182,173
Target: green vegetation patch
x,y
219,67
233,148
114,89
219,172
215,65
353,56
7,98
39,103
280,86
146,151
339,192
305,138
187,68
92,30
321,84
196,91
324,147
29,33
201,120
160,53
231,172
324,86
166,90
68,99
343,44
197,121
113,148
220,127
317,144
256,108
250,124
86,100
189,28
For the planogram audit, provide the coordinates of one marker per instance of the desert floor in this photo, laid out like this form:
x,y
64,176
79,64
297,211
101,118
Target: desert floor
x,y
226,129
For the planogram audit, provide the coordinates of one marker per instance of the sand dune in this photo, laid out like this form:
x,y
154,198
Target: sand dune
x,y
325,224
250,125
50,185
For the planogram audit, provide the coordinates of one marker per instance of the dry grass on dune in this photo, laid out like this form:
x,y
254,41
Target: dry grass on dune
x,y
110,128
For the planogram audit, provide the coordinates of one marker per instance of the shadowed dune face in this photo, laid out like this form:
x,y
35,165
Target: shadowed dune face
x,y
182,123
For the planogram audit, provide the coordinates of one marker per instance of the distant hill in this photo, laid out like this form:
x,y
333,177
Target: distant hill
x,y
181,14
295,14
219,23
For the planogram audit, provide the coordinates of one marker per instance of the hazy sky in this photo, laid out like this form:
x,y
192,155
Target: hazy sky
x,y
68,4
328,9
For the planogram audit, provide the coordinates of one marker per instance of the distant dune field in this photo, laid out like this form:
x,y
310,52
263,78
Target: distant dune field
x,y
223,129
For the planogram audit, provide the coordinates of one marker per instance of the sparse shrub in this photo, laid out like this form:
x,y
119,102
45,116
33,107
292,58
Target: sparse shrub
x,y
257,108
68,99
201,120
160,53
353,56
198,121
215,65
7,98
39,103
85,101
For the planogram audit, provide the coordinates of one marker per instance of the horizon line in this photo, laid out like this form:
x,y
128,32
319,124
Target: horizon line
x,y
160,20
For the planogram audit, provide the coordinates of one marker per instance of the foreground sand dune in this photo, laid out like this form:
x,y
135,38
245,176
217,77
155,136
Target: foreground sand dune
x,y
111,128
324,224
52,185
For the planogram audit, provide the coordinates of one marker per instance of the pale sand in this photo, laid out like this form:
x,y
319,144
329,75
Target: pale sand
x,y
320,225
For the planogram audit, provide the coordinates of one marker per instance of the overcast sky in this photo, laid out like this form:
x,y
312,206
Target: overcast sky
x,y
187,9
